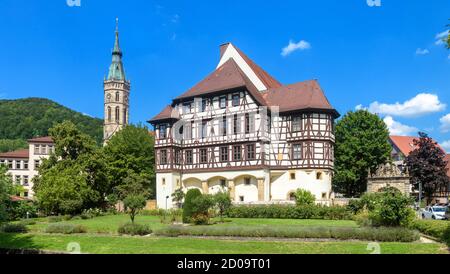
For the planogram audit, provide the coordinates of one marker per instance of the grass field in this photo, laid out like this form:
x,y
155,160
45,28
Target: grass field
x,y
149,245
109,224
102,238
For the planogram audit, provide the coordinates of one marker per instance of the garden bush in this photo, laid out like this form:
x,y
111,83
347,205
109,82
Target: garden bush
x,y
13,228
28,221
54,219
304,197
134,229
434,228
153,212
188,204
290,212
65,229
340,233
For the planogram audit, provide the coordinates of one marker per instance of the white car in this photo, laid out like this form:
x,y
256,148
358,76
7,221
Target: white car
x,y
434,212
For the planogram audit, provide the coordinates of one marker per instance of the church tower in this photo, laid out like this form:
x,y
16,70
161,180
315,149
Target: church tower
x,y
117,93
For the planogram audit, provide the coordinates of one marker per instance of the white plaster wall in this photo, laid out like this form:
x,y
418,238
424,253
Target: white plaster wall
x,y
249,192
166,189
282,185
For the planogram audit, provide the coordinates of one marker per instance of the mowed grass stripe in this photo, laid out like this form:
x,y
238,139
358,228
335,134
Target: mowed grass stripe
x,y
148,245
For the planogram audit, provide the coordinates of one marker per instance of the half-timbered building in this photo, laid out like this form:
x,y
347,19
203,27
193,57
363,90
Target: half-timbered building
x,y
242,131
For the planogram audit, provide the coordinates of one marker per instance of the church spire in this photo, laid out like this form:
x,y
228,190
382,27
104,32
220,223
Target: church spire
x,y
116,70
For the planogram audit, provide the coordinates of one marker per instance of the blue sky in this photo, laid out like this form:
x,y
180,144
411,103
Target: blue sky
x,y
383,58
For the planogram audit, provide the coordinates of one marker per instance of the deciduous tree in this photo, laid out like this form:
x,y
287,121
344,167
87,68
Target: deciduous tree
x,y
427,165
131,149
361,146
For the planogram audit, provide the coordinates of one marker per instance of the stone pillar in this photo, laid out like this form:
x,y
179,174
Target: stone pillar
x,y
232,189
205,187
261,191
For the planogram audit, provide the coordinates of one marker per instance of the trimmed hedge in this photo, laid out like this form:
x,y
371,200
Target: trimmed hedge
x,y
14,228
65,229
434,228
290,212
134,229
340,233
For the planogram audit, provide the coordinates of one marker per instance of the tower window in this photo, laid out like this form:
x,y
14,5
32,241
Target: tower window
x,y
124,116
224,154
162,132
109,114
297,152
319,176
117,96
237,153
117,114
189,158
203,156
163,156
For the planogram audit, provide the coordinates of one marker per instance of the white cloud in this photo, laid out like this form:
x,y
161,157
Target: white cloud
x,y
445,123
302,45
421,104
440,37
397,128
446,145
420,51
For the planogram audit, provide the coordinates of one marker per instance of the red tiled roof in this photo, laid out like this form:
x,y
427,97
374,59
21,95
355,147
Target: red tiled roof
x,y
18,199
303,95
300,96
405,144
226,77
18,154
46,139
167,113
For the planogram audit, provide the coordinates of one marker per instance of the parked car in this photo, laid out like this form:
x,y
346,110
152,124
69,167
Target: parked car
x,y
434,212
447,214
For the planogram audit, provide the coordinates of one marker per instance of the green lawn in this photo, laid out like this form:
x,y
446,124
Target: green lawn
x,y
109,224
150,245
102,238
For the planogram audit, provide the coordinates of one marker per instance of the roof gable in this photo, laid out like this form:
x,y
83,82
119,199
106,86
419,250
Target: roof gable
x,y
260,78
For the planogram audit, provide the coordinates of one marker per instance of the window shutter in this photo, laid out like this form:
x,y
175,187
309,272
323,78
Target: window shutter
x,y
238,125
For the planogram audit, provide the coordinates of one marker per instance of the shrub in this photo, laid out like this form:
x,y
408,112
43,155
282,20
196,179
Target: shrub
x,y
19,210
446,236
290,212
134,229
362,218
188,204
392,209
65,229
54,219
28,221
301,232
152,212
223,202
200,219
304,197
13,228
431,228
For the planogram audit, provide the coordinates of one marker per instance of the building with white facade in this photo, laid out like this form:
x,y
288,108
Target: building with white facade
x,y
23,164
242,131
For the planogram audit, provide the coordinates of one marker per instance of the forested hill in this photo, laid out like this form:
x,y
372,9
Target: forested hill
x,y
23,119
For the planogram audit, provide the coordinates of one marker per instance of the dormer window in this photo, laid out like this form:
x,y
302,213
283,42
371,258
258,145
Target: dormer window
x,y
187,108
204,104
296,124
162,131
236,100
223,102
